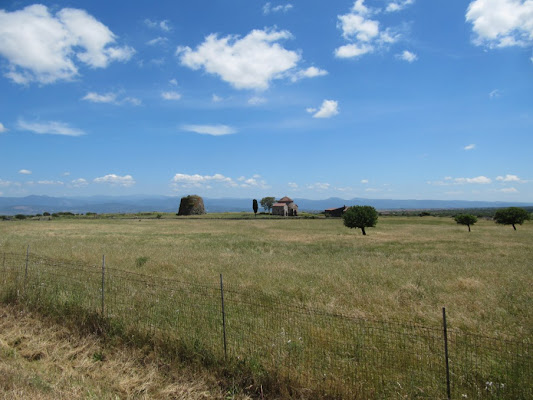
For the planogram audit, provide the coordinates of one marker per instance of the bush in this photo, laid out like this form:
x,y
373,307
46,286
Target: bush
x,y
20,216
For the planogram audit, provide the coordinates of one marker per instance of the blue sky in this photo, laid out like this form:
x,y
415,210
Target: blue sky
x,y
402,99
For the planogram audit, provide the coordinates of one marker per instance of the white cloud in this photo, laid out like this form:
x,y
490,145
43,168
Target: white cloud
x,y
251,62
116,180
363,33
353,50
110,98
157,40
66,173
509,190
319,186
509,178
469,147
132,100
80,182
49,128
171,95
311,72
501,23
293,185
216,99
163,25
2,128
364,181
173,82
44,48
328,109
398,5
214,130
268,8
100,98
196,180
256,100
406,55
495,94
47,182
483,180
25,172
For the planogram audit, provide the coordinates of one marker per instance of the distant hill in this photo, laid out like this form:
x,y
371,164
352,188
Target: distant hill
x,y
132,204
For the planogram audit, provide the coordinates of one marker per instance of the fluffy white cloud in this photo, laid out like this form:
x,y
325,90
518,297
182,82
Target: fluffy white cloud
x,y
173,82
171,95
196,180
268,8
49,128
483,180
2,128
328,109
157,40
41,47
363,33
408,56
251,62
469,147
116,180
509,178
214,130
216,99
311,72
100,98
398,5
501,23
364,181
25,172
80,182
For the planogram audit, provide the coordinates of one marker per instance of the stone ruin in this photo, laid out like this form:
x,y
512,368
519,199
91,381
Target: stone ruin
x,y
191,205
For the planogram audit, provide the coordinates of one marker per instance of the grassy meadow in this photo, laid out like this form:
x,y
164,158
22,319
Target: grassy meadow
x,y
406,269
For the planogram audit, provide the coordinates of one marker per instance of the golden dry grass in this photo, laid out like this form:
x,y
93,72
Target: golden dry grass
x,y
41,360
406,268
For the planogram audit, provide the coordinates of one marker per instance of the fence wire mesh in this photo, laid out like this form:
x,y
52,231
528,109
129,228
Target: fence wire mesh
x,y
304,350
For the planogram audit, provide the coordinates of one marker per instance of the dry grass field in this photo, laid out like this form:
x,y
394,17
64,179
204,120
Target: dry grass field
x,y
405,269
313,308
41,360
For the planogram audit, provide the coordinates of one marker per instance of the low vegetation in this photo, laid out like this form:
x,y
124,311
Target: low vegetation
x,y
407,270
42,360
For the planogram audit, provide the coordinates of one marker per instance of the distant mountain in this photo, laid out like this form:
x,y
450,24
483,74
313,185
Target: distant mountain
x,y
139,203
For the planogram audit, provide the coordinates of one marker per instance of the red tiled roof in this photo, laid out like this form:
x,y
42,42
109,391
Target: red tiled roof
x,y
285,200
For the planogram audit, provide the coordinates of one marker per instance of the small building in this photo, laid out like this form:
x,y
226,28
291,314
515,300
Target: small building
x,y
285,207
335,212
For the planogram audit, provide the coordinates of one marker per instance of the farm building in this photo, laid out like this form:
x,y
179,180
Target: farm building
x,y
285,207
335,212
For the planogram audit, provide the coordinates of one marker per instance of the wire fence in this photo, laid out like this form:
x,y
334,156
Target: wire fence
x,y
289,349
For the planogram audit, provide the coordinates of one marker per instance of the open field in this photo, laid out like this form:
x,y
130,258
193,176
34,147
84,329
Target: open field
x,y
312,307
41,360
406,268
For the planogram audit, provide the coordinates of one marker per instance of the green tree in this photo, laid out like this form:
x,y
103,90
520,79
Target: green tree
x,y
466,219
360,217
267,203
255,207
511,216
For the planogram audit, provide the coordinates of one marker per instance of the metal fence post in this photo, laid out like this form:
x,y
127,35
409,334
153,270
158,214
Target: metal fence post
x,y
223,316
26,269
103,283
448,389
